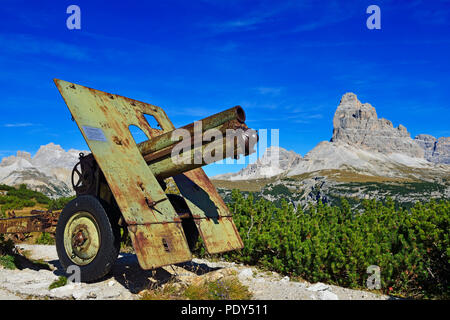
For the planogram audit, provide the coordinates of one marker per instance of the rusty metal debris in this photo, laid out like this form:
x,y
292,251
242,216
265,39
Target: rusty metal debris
x,y
38,221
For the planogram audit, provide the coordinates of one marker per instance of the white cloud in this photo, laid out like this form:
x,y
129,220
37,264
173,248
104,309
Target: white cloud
x,y
27,44
18,125
263,12
269,90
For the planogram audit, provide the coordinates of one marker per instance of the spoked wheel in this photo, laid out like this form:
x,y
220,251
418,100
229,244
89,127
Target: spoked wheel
x,y
81,181
86,238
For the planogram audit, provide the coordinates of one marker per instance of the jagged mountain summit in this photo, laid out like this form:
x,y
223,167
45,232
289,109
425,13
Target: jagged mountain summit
x,y
357,124
362,143
49,171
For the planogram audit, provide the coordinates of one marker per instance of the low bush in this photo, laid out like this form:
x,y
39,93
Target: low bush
x,y
61,282
224,289
26,194
60,203
336,244
7,258
45,238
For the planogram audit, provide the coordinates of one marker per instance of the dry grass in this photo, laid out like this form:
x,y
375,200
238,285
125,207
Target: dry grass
x,y
347,176
228,288
170,291
337,175
223,289
244,185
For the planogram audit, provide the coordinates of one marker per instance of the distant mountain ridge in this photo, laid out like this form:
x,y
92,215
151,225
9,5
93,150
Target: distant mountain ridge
x,y
49,171
361,142
274,161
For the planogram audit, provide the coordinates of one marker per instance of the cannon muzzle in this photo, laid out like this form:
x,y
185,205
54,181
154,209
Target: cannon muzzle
x,y
220,136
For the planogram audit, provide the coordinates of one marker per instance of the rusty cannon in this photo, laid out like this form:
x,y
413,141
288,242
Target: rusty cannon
x,y
154,191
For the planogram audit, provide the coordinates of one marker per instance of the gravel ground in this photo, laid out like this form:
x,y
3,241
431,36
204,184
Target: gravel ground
x,y
272,286
127,279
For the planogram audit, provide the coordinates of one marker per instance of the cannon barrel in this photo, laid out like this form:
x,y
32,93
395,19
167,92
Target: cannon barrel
x,y
157,152
241,142
228,119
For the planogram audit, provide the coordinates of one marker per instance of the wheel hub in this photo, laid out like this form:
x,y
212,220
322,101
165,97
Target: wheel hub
x,y
82,238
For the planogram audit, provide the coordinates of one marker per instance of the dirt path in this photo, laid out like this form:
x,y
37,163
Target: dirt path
x,y
127,279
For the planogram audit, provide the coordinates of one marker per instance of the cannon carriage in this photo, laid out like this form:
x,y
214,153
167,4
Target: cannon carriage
x,y
121,186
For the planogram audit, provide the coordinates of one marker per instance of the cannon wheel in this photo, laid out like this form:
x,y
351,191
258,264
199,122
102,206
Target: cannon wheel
x,y
85,237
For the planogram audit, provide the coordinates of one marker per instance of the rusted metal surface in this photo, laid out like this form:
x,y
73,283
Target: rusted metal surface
x,y
144,147
221,235
104,121
153,223
160,244
115,151
163,166
232,118
37,222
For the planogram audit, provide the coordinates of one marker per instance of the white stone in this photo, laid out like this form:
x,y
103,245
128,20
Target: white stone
x,y
319,286
246,273
80,294
327,295
109,294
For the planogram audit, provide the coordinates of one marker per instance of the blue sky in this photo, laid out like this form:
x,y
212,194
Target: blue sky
x,y
287,63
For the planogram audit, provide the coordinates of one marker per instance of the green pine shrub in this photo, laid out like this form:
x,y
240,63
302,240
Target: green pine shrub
x,y
336,244
59,203
26,194
19,198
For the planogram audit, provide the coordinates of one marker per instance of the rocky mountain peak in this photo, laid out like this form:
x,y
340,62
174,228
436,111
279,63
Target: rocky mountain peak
x,y
50,147
349,97
278,156
54,156
436,150
349,101
7,161
357,124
